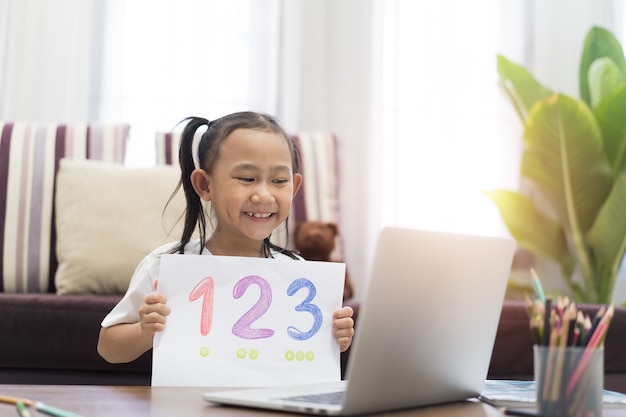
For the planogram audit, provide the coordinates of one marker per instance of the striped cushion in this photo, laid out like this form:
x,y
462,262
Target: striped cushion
x,y
318,198
167,148
29,161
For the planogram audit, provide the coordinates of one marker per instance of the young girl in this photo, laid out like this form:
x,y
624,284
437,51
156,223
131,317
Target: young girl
x,y
248,168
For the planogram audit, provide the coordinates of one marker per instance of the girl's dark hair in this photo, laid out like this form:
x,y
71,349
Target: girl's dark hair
x,y
217,131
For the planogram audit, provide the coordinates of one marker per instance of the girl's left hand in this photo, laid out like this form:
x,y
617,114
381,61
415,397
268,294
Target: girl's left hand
x,y
343,327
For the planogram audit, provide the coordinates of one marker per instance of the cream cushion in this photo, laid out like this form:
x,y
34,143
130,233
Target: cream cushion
x,y
108,218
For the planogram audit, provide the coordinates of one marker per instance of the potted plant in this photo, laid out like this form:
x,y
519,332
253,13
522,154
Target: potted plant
x,y
571,207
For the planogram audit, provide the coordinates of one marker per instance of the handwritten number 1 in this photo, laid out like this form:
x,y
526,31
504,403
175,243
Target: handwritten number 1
x,y
204,288
305,305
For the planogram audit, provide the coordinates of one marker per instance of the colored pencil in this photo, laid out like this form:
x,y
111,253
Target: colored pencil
x,y
13,400
54,411
546,322
594,342
537,286
44,408
557,325
21,409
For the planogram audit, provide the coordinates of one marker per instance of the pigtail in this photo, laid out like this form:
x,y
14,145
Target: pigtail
x,y
194,212
268,247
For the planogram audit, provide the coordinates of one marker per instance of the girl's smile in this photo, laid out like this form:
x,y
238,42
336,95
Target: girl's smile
x,y
260,215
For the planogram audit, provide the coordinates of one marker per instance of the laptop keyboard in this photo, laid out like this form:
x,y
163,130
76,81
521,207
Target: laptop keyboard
x,y
324,398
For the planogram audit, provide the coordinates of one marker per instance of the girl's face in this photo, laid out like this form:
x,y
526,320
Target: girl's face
x,y
251,188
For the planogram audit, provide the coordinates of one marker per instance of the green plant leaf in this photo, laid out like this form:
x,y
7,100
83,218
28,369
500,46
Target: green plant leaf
x,y
565,161
610,115
531,229
607,237
520,86
599,43
604,79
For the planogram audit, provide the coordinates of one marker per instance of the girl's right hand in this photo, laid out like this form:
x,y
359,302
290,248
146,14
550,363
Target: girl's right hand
x,y
152,313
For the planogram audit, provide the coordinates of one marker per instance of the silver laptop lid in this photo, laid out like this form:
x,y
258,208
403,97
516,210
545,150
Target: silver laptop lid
x,y
429,315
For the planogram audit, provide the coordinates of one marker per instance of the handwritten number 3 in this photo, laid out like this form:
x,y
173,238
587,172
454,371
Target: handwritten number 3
x,y
305,305
242,327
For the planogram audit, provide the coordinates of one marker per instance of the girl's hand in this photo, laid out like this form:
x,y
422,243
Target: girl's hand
x,y
343,327
152,313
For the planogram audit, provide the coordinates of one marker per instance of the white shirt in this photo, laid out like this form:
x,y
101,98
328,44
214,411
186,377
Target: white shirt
x,y
144,277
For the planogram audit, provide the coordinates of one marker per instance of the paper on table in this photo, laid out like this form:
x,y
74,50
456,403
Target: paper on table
x,y
239,321
517,393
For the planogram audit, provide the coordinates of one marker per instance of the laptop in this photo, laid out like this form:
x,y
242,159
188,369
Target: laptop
x,y
424,333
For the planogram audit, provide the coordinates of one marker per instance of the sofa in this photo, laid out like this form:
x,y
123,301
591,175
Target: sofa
x,y
50,339
47,325
53,300
58,356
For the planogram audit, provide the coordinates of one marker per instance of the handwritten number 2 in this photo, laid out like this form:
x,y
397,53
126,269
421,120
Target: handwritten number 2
x,y
305,305
204,288
242,327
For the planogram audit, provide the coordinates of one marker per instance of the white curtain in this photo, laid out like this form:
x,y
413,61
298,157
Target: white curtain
x,y
166,60
49,62
448,134
330,80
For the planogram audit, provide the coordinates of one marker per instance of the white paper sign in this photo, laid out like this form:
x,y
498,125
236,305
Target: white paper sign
x,y
244,322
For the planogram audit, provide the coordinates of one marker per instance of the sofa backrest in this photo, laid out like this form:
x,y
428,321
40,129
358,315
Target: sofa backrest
x,y
29,162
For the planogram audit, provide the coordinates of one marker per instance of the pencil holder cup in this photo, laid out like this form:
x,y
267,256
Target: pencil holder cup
x,y
569,381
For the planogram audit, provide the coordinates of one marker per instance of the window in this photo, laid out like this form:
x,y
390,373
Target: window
x,y
449,133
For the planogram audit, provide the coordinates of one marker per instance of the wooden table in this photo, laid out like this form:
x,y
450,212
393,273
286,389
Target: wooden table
x,y
110,401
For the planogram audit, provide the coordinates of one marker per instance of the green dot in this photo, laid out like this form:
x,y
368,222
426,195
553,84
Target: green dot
x,y
241,353
289,355
253,354
299,356
204,351
310,356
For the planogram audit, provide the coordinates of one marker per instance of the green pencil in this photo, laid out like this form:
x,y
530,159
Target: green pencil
x,y
53,411
537,286
21,409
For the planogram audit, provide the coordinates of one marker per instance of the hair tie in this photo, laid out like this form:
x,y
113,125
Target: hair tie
x,y
195,145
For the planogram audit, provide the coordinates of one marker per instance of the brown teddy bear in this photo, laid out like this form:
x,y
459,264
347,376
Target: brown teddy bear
x,y
315,241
